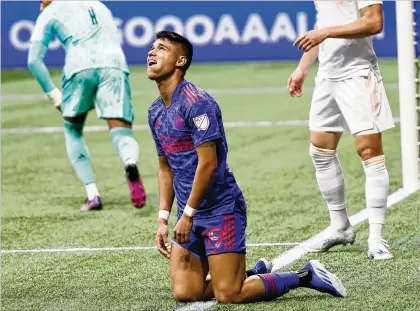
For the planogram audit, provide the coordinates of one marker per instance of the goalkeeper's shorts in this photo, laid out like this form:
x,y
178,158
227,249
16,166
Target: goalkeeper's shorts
x,y
107,90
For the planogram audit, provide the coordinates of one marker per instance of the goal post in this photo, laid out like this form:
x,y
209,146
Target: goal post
x,y
408,95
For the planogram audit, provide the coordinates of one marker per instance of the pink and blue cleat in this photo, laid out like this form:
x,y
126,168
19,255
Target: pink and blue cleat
x,y
92,205
137,192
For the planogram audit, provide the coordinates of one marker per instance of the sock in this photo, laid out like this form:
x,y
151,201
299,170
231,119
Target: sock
x,y
329,176
305,277
77,152
278,284
126,146
377,187
91,191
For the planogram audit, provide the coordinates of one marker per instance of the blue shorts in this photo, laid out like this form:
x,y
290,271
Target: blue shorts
x,y
217,235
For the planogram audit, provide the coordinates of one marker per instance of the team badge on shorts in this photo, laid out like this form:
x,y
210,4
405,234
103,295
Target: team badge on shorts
x,y
202,122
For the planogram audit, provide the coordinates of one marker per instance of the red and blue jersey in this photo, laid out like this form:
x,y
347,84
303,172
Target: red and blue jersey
x,y
194,118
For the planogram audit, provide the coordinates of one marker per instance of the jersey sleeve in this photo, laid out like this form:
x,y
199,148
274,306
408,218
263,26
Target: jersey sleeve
x,y
36,65
362,4
40,39
159,148
203,118
43,30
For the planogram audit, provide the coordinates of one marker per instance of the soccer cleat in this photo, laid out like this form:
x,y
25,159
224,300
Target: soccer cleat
x,y
262,266
92,205
332,238
323,280
137,193
379,250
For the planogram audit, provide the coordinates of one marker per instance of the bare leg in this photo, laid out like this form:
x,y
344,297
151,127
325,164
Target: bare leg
x,y
187,275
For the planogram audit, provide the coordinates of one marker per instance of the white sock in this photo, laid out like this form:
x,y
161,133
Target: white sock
x,y
91,191
329,176
377,187
339,218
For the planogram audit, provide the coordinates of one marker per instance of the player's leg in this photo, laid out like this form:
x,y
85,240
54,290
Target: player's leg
x,y
113,103
368,116
226,248
327,124
188,269
77,97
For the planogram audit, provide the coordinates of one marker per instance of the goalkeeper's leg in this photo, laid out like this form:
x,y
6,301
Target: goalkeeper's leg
x,y
128,150
79,157
113,103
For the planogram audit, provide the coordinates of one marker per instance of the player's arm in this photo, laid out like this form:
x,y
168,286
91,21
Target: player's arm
x,y
203,118
166,189
296,79
370,23
41,37
166,199
308,58
207,165
166,194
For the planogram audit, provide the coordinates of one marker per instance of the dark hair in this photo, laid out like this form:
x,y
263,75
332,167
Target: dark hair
x,y
177,38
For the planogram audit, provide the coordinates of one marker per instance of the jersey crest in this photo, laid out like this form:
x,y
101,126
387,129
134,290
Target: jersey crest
x,y
202,122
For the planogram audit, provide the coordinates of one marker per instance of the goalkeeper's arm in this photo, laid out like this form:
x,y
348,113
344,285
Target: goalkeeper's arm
x,y
36,65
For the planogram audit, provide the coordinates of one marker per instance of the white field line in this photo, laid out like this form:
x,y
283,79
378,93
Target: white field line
x,y
213,91
291,256
143,127
119,249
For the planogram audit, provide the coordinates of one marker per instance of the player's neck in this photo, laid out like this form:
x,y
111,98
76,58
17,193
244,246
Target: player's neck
x,y
167,87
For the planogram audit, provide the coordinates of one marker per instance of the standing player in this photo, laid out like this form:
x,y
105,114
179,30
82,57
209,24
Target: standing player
x,y
348,95
95,75
186,124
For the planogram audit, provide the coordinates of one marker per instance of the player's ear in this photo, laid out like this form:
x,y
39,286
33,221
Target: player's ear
x,y
182,61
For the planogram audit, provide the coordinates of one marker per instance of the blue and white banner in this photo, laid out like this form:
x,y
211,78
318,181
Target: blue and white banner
x,y
220,31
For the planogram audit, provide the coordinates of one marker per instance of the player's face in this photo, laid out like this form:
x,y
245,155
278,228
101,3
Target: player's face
x,y
163,59
44,4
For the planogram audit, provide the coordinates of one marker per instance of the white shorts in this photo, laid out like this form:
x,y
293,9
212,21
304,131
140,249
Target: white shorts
x,y
357,104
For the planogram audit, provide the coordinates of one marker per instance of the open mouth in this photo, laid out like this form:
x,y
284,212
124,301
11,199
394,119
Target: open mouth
x,y
151,62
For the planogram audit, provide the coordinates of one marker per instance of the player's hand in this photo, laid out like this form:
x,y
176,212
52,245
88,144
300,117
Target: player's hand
x,y
295,82
55,97
162,239
310,39
183,228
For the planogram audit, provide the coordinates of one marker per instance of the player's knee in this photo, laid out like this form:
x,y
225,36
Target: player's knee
x,y
184,294
368,152
73,129
227,293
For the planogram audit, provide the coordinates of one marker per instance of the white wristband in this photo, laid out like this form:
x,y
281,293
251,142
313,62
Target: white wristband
x,y
188,210
164,214
55,97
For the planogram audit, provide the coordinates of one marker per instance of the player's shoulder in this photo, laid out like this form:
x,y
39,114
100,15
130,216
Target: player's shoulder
x,y
155,106
190,93
54,11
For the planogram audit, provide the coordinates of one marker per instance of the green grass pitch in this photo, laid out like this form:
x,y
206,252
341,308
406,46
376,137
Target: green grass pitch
x,y
41,198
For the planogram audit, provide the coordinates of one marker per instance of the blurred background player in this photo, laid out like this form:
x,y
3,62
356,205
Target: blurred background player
x,y
210,233
95,75
348,95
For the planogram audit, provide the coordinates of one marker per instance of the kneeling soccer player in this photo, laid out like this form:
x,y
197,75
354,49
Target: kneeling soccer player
x,y
186,124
